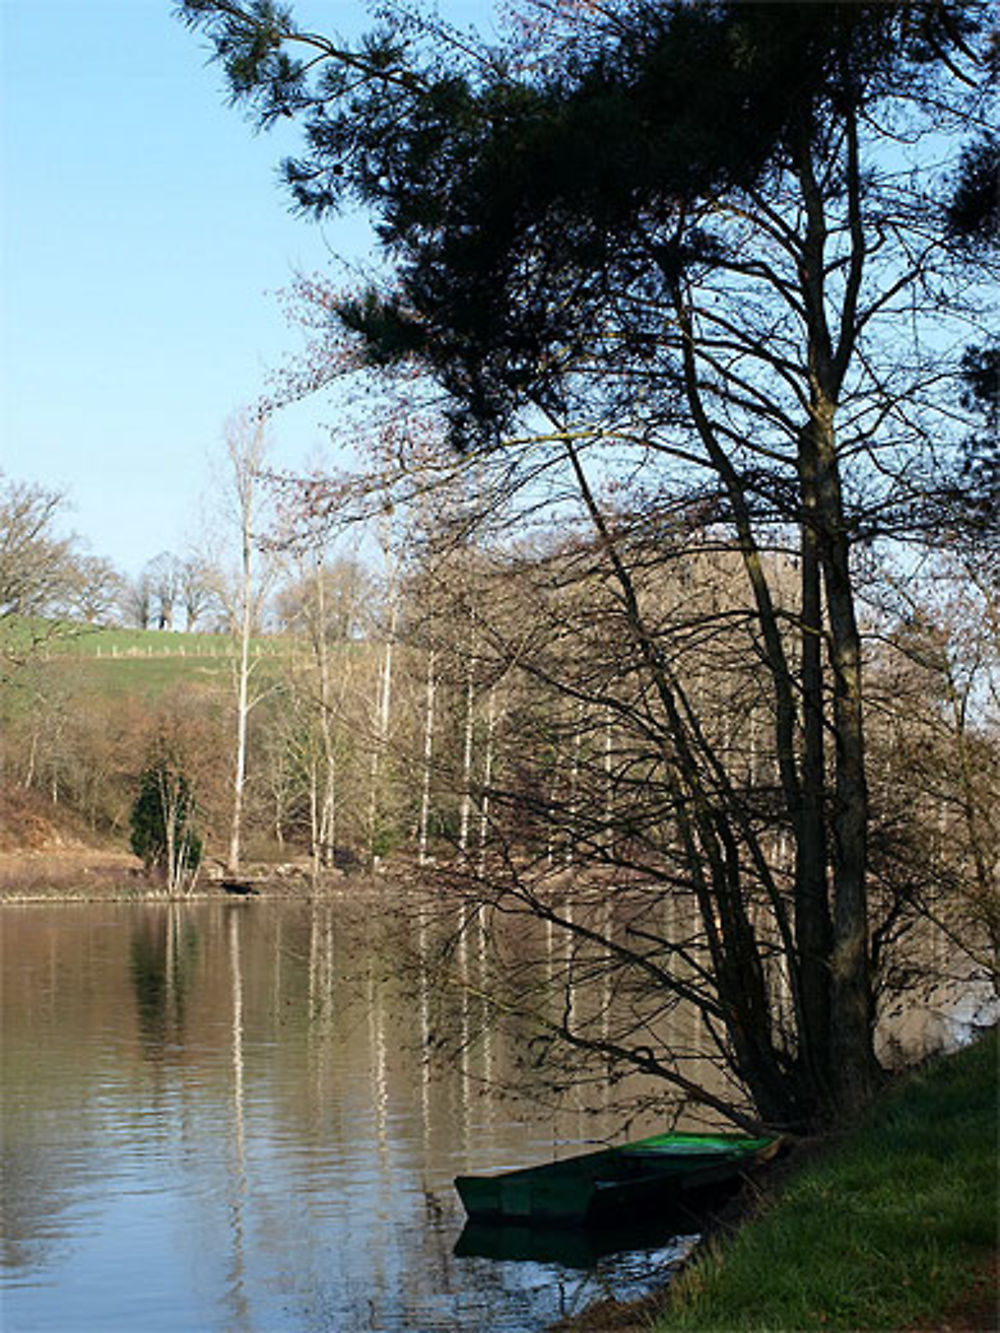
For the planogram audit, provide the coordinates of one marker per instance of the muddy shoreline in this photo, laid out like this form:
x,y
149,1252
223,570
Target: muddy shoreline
x,y
73,873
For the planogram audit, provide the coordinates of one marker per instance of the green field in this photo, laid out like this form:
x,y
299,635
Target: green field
x,y
115,643
142,662
147,663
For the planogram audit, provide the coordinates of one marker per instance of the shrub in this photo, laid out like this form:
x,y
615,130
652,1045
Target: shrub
x,y
162,831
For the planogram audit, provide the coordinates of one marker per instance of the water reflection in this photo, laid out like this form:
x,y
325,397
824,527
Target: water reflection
x,y
568,1247
163,951
237,1300
221,1116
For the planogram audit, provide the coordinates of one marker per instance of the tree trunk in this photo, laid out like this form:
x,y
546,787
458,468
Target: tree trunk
x,y
465,812
242,707
327,819
852,1059
852,1063
425,796
246,448
569,852
383,708
484,804
813,927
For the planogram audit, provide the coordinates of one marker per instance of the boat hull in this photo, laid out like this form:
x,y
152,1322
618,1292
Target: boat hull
x,y
612,1182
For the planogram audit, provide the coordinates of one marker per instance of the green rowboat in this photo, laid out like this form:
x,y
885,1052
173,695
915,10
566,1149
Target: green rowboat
x,y
611,1182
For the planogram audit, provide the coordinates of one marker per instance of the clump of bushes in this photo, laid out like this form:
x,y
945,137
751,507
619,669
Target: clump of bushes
x,y
162,822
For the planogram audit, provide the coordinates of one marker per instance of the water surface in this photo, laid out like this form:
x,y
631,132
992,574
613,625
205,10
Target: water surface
x,y
218,1117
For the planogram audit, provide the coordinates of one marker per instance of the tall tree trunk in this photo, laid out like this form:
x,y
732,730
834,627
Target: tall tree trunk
x,y
484,804
383,709
315,819
242,697
327,817
169,805
425,795
569,852
245,445
852,1063
813,927
851,1052
465,812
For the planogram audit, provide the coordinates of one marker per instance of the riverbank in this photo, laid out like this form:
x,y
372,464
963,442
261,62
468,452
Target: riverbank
x,y
892,1226
69,871
47,854
80,873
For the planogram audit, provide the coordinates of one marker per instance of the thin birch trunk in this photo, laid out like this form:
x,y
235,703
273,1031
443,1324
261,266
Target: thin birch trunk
x,y
168,805
425,796
484,805
242,709
466,808
245,456
383,713
569,854
327,827
608,832
314,817
29,773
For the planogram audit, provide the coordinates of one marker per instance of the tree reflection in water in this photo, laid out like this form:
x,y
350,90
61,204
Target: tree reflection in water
x,y
163,954
238,1102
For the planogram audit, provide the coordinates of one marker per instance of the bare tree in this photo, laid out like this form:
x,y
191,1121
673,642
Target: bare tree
x,y
195,590
96,591
346,594
42,573
165,574
136,601
34,562
315,611
938,722
246,448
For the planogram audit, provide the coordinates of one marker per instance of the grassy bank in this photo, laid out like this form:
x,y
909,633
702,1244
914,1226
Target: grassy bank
x,y
893,1227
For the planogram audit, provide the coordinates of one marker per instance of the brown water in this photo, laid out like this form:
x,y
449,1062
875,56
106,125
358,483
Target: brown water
x,y
218,1117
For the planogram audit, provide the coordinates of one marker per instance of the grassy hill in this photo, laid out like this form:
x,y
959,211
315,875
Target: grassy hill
x,y
146,663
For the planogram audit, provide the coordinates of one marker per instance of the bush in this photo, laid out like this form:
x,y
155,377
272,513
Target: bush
x,y
162,819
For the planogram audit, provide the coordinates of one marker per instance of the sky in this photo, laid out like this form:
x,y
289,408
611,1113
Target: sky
x,y
144,238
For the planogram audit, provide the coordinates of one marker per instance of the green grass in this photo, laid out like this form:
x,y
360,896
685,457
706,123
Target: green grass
x,y
146,663
85,641
68,639
113,663
149,677
883,1232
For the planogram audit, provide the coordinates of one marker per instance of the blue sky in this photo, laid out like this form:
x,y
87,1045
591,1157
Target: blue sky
x,y
143,239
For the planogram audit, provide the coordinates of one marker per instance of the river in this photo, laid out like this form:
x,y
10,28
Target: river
x,y
217,1117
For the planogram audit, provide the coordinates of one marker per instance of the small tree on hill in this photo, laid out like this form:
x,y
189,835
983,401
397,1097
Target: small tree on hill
x,y
162,825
